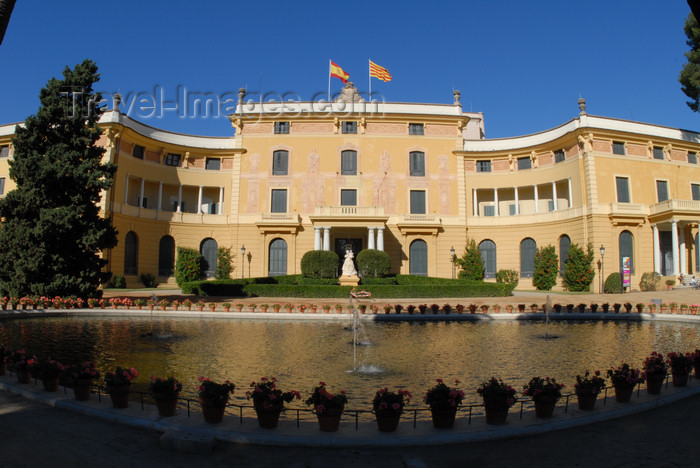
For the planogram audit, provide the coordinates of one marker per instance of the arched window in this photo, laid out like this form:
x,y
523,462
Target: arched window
x,y
131,254
564,246
527,257
277,258
487,248
166,256
418,258
627,249
208,249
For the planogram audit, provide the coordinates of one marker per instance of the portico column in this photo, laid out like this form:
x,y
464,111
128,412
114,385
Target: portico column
x,y
160,195
537,200
326,238
199,200
683,256
370,238
475,207
380,239
674,247
517,204
495,202
221,201
126,190
179,199
143,181
657,249
317,238
554,196
571,199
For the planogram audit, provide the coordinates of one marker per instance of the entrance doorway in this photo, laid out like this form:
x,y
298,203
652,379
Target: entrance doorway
x,y
341,246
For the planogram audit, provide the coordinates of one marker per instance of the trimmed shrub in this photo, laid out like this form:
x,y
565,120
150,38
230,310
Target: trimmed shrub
x,y
510,277
471,265
578,270
148,280
320,264
650,281
119,282
546,268
188,266
388,280
224,265
613,283
372,263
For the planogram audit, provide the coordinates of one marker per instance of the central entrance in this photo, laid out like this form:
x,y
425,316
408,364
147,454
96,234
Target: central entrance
x,y
341,245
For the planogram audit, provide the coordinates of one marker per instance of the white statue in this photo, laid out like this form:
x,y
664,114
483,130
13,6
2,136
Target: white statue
x,y
349,265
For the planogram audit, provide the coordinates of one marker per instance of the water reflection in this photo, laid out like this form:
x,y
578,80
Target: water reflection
x,y
405,355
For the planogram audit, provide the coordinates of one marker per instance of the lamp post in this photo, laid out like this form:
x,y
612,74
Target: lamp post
x,y
452,257
602,268
242,261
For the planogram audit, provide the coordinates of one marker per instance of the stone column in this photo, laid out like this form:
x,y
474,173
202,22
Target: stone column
x,y
517,203
326,238
537,200
380,239
160,195
179,199
143,182
554,196
370,238
674,247
221,201
199,201
495,202
657,249
126,190
475,203
683,253
317,238
571,198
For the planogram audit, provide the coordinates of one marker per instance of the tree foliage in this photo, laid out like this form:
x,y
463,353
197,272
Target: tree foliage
x,y
578,270
372,263
470,264
613,283
224,263
320,264
546,268
690,74
188,266
52,234
511,277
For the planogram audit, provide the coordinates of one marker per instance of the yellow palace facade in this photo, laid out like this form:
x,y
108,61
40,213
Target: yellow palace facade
x,y
414,180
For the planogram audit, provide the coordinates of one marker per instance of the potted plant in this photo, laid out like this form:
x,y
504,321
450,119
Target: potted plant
x,y
594,308
269,401
213,398
533,308
166,392
663,308
545,393
22,365
587,389
654,372
628,307
670,283
327,406
680,365
326,308
484,309
338,309
434,308
459,308
4,301
398,308
388,406
163,304
696,362
444,402
521,308
212,306
422,308
301,308
673,308
289,307
472,308
496,308
605,307
264,307
640,307
557,308
447,308
410,308
48,371
14,302
115,302
581,308
624,379
151,304
82,376
251,307
200,305
387,308
361,308
227,307
684,308
694,309
187,304
118,384
652,307
175,304
498,398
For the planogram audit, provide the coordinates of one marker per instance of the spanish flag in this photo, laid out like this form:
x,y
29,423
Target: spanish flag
x,y
378,72
339,73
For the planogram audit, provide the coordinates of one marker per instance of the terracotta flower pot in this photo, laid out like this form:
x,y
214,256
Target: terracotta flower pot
x,y
544,406
623,393
24,376
586,401
496,414
680,379
119,395
268,418
655,383
50,384
329,420
82,389
443,417
166,403
213,412
388,420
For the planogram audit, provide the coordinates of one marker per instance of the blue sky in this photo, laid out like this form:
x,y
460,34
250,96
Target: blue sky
x,y
523,64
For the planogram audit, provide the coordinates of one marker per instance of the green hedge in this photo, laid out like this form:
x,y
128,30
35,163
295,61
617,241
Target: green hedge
x,y
320,264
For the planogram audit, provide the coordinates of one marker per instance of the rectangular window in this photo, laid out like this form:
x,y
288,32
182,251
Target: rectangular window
x,y
695,191
692,157
213,208
559,156
619,147
212,164
4,151
512,209
524,163
550,205
279,201
489,210
483,166
662,190
417,163
182,206
658,152
417,202
348,163
280,161
138,151
623,192
281,127
2,186
416,129
172,159
348,197
144,203
349,127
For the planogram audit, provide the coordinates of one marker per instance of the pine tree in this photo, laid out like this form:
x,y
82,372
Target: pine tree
x,y
471,265
578,270
690,74
52,232
546,268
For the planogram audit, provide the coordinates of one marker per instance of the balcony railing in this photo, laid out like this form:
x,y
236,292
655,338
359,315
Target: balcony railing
x,y
344,211
169,216
685,206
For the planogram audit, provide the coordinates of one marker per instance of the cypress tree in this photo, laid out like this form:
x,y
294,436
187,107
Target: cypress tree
x,y
578,270
471,265
546,268
52,232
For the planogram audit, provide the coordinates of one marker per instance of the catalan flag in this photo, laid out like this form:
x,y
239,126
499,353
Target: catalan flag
x,y
378,72
339,73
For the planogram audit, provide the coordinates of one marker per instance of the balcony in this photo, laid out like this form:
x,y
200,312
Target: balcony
x,y
349,216
419,223
550,216
343,211
169,216
279,222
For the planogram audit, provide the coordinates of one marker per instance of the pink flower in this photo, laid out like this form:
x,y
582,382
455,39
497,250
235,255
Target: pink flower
x,y
396,406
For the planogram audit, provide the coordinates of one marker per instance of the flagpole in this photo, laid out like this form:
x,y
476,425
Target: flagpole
x,y
329,80
369,71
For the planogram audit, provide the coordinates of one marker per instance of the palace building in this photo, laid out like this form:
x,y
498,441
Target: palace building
x,y
414,180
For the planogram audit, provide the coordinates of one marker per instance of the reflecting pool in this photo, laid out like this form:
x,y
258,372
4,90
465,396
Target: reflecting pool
x,y
408,355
